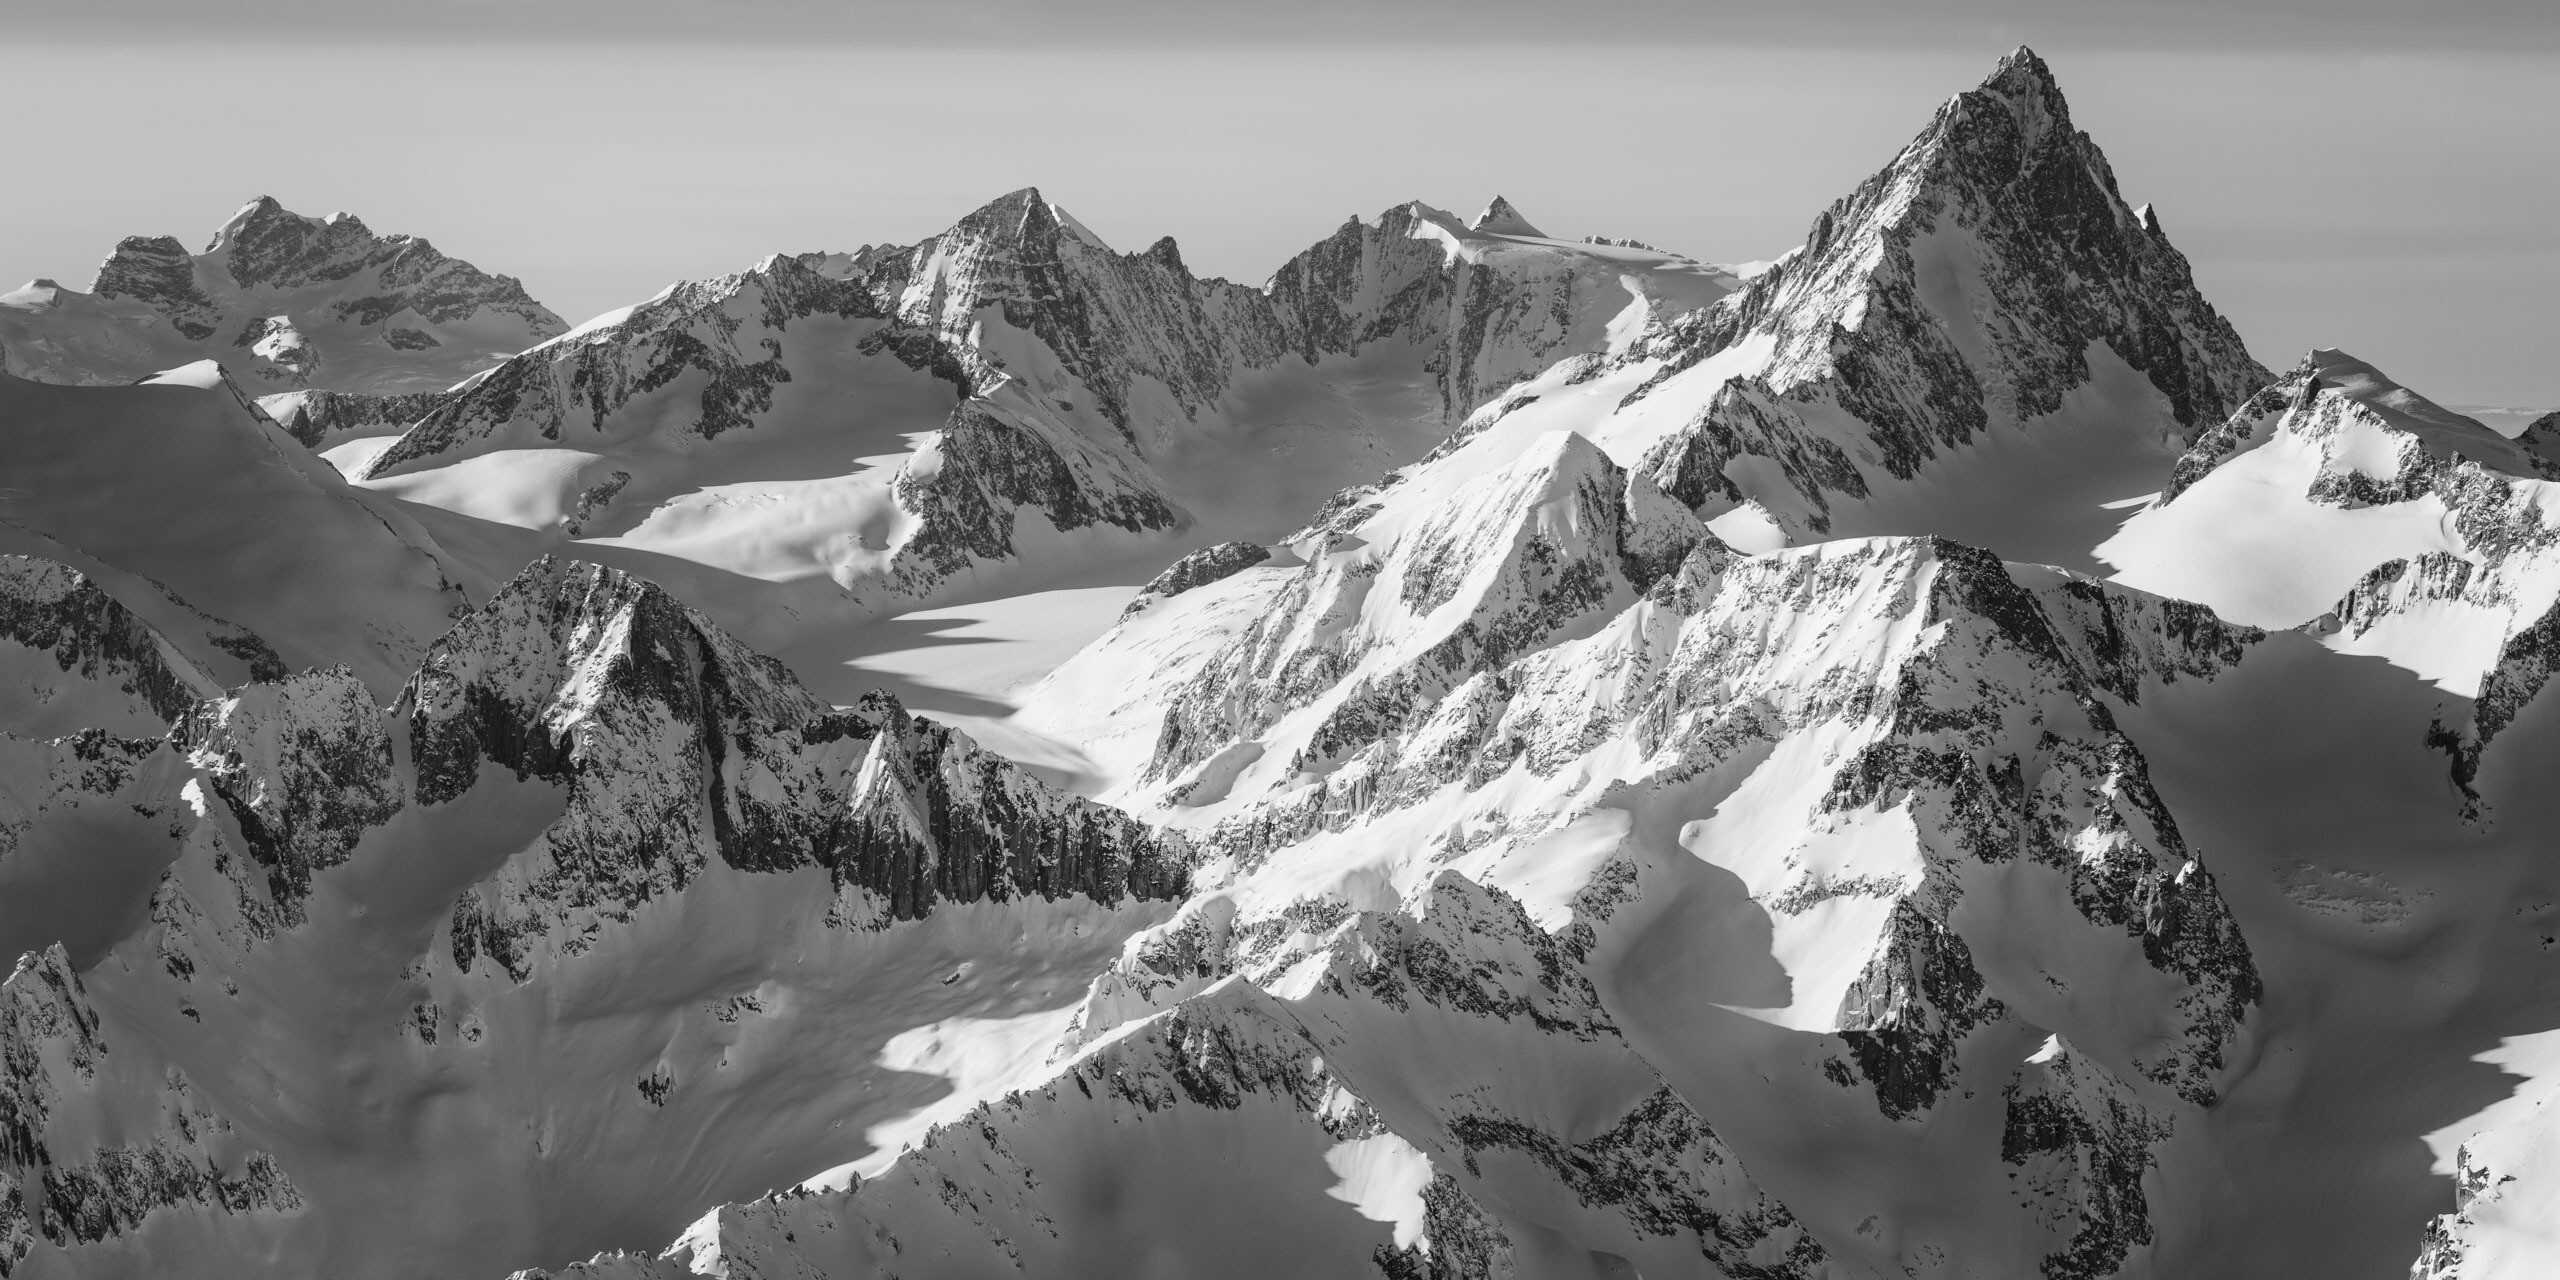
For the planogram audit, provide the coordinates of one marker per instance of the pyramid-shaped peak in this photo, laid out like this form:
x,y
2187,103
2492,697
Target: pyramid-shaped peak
x,y
259,213
2025,85
2022,72
1503,218
1027,216
566,608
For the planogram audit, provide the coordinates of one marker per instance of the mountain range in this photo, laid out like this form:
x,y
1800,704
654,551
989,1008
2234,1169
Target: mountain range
x,y
1510,756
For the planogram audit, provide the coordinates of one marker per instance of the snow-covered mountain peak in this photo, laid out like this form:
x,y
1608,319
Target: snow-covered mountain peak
x,y
2366,434
1988,284
285,300
253,219
2442,429
1025,216
2026,86
565,639
43,291
1502,218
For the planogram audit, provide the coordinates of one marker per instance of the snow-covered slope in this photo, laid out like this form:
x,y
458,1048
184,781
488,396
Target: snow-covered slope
x,y
460,979
72,657
825,439
1876,867
2338,499
1982,341
184,487
1512,913
282,301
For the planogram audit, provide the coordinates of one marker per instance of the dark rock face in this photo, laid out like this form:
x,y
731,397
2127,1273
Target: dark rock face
x,y
1747,420
158,271
1960,286
1205,566
2541,439
1649,1167
305,767
1078,367
61,1185
2062,261
268,246
1905,1015
2124,641
986,469
2082,1142
2397,585
2256,414
1198,569
675,746
94,639
287,302
324,417
700,328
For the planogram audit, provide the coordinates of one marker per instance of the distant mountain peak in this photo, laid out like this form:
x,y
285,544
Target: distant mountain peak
x,y
1502,218
1025,216
359,311
257,213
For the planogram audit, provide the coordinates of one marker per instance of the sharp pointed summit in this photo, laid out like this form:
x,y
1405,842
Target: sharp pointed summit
x,y
1502,218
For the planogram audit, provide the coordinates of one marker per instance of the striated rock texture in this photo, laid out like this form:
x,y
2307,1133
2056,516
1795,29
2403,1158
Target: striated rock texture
x,y
2003,208
401,903
1906,723
677,746
281,300
158,272
1410,885
90,663
1412,608
96,1145
1991,279
1198,569
320,418
2081,1141
2378,442
1084,374
305,767
2476,594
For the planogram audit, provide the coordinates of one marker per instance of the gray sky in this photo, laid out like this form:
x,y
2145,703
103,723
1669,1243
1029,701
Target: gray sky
x,y
2342,172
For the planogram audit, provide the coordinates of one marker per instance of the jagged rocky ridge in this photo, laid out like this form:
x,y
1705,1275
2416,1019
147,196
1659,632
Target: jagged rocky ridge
x,y
1198,569
900,813
2472,595
89,662
1470,833
1086,379
652,770
1483,1179
281,300
1983,283
97,1139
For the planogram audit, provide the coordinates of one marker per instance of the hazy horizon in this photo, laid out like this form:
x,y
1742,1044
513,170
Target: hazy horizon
x,y
2379,188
